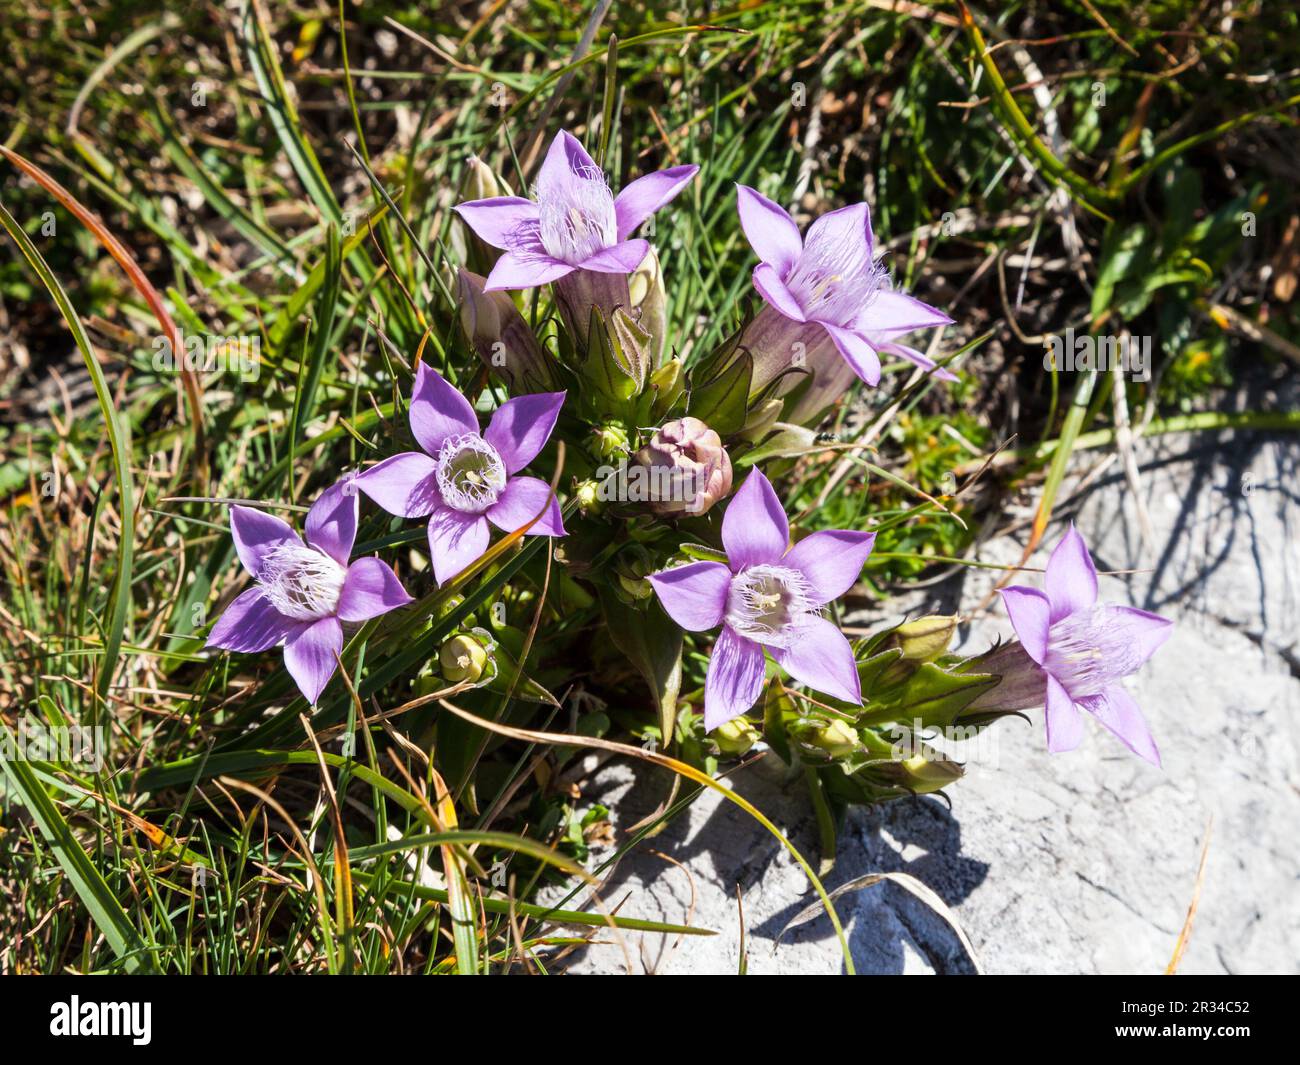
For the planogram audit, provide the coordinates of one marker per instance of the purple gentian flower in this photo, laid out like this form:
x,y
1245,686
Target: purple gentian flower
x,y
466,479
832,282
1084,648
576,223
304,591
768,597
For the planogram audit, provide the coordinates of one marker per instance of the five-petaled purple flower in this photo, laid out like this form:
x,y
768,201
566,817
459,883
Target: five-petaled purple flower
x,y
832,281
1084,648
576,223
304,591
467,479
768,597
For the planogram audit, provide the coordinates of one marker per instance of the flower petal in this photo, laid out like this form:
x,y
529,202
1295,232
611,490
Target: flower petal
x,y
734,681
1146,631
754,528
836,230
497,221
331,524
622,258
1031,614
255,532
521,426
694,595
311,655
565,160
1064,722
821,658
1118,711
770,231
644,196
857,352
899,313
773,290
249,624
519,504
371,588
405,484
892,347
1071,582
456,540
438,411
513,270
831,560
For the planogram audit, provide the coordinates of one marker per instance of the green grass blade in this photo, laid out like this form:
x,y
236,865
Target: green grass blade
x,y
121,595
94,892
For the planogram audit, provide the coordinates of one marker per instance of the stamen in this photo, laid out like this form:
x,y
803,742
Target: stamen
x,y
301,582
1091,649
470,473
577,217
766,603
836,279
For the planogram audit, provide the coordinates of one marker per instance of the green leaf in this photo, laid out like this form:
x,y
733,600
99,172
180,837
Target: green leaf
x,y
653,643
1126,254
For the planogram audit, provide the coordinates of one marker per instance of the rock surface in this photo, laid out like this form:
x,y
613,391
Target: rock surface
x,y
1081,862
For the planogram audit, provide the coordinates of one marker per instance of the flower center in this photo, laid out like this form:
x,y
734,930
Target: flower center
x,y
1091,649
577,217
836,279
471,474
766,603
301,582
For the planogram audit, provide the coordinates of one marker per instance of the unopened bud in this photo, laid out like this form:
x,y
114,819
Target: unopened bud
x,y
632,568
924,639
735,737
502,339
838,739
462,658
482,182
610,440
588,495
930,774
649,302
668,382
689,468
760,419
637,588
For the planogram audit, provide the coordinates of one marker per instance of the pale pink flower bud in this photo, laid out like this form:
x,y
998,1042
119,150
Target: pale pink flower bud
x,y
690,468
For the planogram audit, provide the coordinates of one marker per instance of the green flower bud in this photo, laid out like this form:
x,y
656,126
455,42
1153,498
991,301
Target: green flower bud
x,y
924,639
930,774
482,182
588,495
610,439
645,287
735,737
760,419
668,382
637,588
838,739
462,658
632,568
